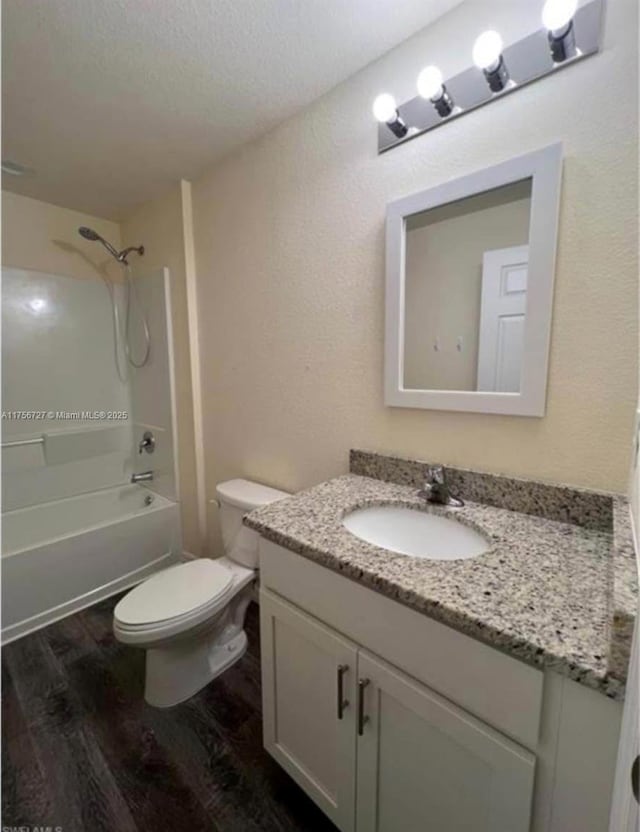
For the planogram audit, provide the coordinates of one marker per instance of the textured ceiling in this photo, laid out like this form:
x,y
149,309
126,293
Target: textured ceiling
x,y
110,101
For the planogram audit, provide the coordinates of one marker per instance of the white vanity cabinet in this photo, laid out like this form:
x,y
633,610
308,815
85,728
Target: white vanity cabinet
x,y
376,750
393,722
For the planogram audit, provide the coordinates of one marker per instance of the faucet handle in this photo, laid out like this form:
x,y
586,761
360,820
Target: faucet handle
x,y
436,475
147,443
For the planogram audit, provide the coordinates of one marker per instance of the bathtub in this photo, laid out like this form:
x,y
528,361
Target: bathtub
x,y
61,556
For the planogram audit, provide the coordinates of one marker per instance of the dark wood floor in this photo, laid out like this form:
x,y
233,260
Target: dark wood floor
x,y
82,750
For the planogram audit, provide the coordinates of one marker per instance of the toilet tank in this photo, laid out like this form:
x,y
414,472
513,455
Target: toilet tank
x,y
237,498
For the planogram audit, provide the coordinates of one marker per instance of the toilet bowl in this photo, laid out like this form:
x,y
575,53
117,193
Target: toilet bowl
x,y
190,617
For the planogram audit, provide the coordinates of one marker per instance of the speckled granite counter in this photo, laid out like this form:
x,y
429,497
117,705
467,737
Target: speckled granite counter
x,y
554,594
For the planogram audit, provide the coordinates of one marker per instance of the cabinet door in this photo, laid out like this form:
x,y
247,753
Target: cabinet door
x,y
303,665
424,765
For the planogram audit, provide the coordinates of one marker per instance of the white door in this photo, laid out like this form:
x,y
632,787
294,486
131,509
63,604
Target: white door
x,y
502,317
308,690
424,764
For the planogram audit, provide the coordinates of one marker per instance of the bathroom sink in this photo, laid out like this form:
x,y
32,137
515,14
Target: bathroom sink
x,y
417,533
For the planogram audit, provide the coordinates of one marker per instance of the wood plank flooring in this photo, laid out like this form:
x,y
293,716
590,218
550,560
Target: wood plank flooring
x,y
82,750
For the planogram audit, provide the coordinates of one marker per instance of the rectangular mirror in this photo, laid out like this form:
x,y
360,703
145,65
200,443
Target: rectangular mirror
x,y
470,267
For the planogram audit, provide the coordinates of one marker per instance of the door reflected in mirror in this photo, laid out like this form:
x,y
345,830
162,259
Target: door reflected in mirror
x,y
466,281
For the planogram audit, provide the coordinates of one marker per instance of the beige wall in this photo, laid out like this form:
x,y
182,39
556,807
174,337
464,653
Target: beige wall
x,y
44,237
443,283
158,225
289,238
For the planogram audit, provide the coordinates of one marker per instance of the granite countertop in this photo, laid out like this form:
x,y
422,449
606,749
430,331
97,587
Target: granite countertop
x,y
555,594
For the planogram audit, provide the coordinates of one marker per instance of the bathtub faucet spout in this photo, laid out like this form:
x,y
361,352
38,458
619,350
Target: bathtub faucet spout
x,y
145,476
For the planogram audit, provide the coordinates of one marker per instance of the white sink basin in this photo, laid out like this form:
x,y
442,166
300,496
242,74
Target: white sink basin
x,y
412,532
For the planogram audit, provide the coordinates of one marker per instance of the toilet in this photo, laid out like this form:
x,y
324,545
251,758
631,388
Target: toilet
x,y
190,617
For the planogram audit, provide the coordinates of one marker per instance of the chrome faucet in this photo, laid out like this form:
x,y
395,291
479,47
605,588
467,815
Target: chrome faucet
x,y
436,488
145,476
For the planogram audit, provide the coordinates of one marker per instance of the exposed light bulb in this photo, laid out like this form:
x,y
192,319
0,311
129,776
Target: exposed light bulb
x,y
385,111
556,14
487,49
384,108
487,56
431,86
430,83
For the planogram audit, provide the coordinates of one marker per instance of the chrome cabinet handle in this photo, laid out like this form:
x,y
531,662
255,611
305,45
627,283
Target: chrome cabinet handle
x,y
362,719
342,702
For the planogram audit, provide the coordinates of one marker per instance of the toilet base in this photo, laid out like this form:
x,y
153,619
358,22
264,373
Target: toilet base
x,y
177,672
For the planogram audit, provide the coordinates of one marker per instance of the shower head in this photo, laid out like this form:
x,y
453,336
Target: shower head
x,y
93,236
88,233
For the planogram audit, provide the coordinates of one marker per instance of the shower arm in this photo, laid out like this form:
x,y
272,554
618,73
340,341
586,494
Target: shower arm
x,y
121,256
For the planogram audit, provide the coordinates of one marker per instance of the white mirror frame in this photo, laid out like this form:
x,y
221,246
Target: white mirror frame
x,y
544,168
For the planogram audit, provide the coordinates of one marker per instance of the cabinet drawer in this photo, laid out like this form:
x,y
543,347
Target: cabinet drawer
x,y
500,690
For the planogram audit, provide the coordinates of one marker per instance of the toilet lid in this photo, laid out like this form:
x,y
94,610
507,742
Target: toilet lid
x,y
174,592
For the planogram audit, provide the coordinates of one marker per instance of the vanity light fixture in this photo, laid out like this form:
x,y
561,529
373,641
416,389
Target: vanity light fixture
x,y
557,18
431,86
487,56
386,112
569,32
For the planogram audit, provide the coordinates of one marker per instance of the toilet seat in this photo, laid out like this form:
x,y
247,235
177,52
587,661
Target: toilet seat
x,y
176,598
205,573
